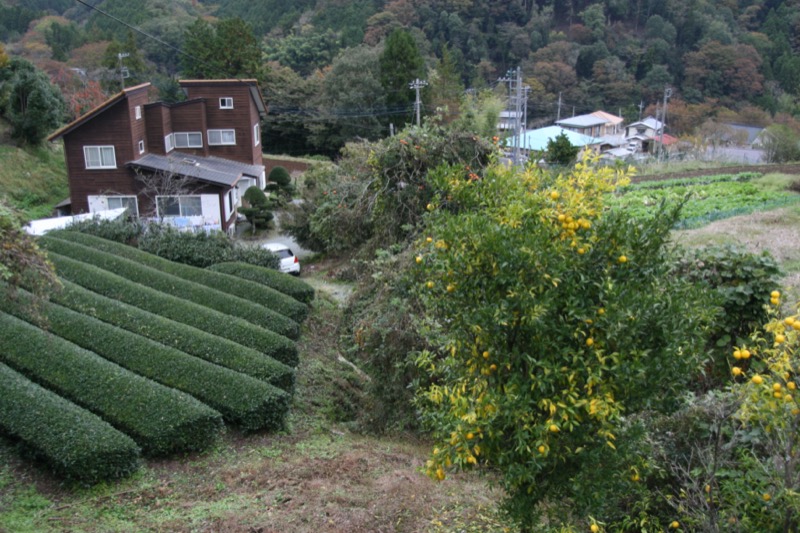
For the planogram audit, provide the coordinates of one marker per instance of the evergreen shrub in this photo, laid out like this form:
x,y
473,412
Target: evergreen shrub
x,y
177,309
297,289
161,420
169,284
73,442
244,401
255,292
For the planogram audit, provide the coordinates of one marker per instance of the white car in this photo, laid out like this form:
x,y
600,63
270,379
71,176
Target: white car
x,y
290,263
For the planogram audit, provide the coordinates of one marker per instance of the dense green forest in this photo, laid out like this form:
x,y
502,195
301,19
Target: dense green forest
x,y
324,63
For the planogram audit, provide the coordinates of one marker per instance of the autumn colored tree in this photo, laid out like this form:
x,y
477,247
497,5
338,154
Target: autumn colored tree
x,y
727,72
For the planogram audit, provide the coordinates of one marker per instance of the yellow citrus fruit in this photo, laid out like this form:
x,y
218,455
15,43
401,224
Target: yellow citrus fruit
x,y
675,524
562,217
737,354
776,387
470,436
736,371
708,488
440,473
553,428
430,284
635,477
581,251
796,325
788,320
791,385
601,311
554,195
493,367
787,398
758,380
419,259
450,288
622,259
589,341
745,354
429,239
486,355
767,497
796,411
775,294
594,528
430,207
774,301
779,338
541,448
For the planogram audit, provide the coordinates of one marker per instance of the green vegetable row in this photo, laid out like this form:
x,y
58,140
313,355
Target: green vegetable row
x,y
169,284
255,292
297,289
185,338
177,309
73,442
161,420
244,401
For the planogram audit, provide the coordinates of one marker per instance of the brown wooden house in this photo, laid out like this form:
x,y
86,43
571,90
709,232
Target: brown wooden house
x,y
186,163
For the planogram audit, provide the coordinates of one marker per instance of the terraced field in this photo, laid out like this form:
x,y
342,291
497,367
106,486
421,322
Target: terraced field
x,y
138,356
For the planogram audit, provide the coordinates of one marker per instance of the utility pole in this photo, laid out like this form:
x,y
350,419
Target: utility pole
x,y
123,70
667,95
558,116
416,85
641,105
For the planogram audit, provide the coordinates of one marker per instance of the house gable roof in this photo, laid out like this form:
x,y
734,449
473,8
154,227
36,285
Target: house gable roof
x,y
89,115
608,117
581,121
252,85
214,170
537,140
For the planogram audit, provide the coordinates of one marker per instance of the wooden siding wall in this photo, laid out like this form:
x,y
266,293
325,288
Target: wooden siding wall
x,y
159,124
241,118
191,117
110,128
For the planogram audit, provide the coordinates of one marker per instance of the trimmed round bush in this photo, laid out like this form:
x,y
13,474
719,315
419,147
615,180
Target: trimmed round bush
x,y
161,420
246,402
177,309
297,289
73,442
237,286
169,284
280,176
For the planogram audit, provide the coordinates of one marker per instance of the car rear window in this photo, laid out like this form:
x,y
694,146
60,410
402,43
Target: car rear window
x,y
283,254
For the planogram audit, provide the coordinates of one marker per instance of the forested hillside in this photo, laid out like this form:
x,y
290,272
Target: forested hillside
x,y
320,60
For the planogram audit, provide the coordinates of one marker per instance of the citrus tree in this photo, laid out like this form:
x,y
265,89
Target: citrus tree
x,y
551,320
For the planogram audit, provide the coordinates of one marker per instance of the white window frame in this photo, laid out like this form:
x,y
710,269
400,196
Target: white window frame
x,y
257,134
180,136
100,149
138,112
181,207
141,147
226,102
169,143
221,141
123,197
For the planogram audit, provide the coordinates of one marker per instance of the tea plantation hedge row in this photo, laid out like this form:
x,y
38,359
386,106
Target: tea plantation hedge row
x,y
249,290
297,289
73,442
169,284
185,338
246,402
177,309
161,420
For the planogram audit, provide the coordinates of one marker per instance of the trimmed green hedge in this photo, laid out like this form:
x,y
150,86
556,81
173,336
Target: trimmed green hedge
x,y
250,291
244,401
297,289
185,338
161,420
169,284
75,443
232,328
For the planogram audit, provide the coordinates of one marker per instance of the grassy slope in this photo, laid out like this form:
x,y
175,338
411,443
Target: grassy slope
x,y
33,179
